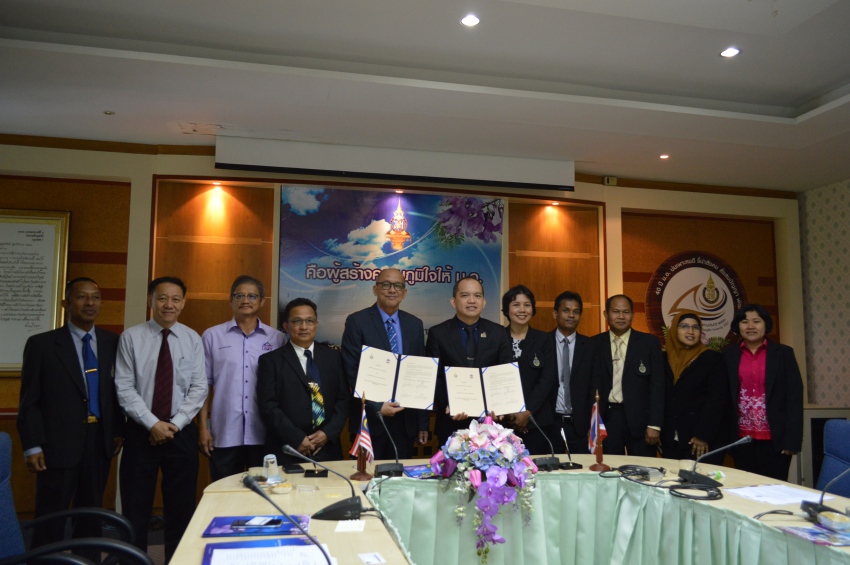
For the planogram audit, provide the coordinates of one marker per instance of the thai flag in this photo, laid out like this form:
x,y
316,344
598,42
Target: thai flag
x,y
597,431
363,439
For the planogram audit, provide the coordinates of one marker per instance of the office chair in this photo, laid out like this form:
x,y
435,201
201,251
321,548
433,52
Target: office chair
x,y
836,456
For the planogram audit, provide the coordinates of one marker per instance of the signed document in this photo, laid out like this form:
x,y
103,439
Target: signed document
x,y
417,379
476,392
503,389
465,393
376,374
413,387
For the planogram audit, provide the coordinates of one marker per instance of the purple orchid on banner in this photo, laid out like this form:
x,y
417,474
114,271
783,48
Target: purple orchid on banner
x,y
468,217
490,461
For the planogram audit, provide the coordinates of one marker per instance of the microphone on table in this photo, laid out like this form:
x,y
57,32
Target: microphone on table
x,y
346,509
815,508
568,466
545,463
694,478
250,482
389,469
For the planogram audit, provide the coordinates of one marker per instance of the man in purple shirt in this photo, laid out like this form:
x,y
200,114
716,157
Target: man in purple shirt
x,y
234,440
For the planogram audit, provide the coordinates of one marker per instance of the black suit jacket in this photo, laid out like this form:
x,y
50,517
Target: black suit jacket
x,y
540,380
366,327
643,379
283,396
444,342
783,387
54,404
695,406
581,381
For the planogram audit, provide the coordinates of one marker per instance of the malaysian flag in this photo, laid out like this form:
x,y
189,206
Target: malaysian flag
x,y
597,431
363,439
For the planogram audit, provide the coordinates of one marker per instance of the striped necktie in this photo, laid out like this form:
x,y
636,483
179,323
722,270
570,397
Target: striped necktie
x,y
393,336
316,398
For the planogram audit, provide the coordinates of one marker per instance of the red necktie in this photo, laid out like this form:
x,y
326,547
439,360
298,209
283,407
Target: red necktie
x,y
164,382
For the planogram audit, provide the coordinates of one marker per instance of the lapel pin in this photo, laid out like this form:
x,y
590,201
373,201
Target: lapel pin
x,y
536,361
641,368
483,334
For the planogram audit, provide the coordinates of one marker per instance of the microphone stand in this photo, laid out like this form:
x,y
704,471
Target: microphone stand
x,y
545,463
346,509
568,466
694,478
252,484
389,469
815,508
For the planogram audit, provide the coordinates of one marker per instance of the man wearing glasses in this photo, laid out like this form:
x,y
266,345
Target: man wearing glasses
x,y
301,390
384,326
235,438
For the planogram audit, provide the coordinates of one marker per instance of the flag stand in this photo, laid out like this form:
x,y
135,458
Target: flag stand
x,y
361,474
599,466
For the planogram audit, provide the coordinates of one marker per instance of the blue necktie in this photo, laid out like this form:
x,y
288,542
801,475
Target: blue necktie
x,y
92,379
392,335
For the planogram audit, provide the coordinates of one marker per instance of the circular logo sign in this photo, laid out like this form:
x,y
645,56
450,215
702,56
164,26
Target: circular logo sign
x,y
697,282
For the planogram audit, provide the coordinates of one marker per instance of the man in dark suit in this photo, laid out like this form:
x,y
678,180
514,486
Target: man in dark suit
x,y
372,327
301,390
629,374
69,420
575,393
467,340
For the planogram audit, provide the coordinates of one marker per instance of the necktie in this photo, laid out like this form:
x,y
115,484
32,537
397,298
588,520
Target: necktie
x,y
470,344
163,387
92,378
565,377
316,397
617,385
393,336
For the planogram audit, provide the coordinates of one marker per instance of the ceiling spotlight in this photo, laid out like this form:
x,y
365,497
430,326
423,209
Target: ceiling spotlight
x,y
470,20
665,156
109,112
216,183
554,203
399,192
730,52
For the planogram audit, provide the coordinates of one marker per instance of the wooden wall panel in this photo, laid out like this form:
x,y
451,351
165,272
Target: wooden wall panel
x,y
552,249
746,245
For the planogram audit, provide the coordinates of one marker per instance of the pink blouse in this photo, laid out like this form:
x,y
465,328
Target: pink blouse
x,y
752,407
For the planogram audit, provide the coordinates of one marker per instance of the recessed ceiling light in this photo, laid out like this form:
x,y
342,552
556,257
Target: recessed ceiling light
x,y
730,52
216,183
471,20
109,112
554,203
399,192
665,156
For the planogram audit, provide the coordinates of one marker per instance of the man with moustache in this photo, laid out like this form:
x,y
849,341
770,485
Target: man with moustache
x,y
301,390
161,384
575,393
236,437
466,340
384,326
629,373
69,421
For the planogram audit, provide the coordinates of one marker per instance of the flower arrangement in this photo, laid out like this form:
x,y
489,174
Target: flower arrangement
x,y
491,461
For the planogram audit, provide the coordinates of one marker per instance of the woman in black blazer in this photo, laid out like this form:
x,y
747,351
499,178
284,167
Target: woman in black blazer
x,y
537,369
767,396
697,393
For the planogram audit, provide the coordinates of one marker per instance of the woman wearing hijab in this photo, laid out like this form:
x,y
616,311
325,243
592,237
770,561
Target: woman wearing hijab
x,y
766,396
697,393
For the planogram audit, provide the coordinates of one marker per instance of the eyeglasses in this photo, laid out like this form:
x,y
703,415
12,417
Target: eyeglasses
x,y
687,327
309,322
252,297
388,285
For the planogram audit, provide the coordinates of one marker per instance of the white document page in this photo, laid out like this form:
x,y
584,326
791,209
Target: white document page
x,y
503,387
465,394
777,494
280,555
376,374
417,379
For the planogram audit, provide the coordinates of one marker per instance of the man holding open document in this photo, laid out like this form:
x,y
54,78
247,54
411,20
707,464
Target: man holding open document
x,y
466,340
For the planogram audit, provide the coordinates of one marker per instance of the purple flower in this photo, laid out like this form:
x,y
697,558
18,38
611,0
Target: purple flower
x,y
436,461
488,506
487,532
449,468
497,476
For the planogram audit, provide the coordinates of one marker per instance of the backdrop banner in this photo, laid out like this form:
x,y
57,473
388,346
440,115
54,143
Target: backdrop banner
x,y
334,242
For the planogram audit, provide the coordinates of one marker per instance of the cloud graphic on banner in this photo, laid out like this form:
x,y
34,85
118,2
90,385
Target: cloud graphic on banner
x,y
363,244
302,201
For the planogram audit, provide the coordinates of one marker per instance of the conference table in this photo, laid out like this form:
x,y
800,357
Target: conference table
x,y
579,517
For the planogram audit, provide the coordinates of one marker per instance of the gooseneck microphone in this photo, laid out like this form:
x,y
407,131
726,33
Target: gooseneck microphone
x,y
546,463
568,466
346,509
694,478
250,482
815,508
389,469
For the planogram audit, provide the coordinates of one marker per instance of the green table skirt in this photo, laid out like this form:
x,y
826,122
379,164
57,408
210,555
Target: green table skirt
x,y
586,519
